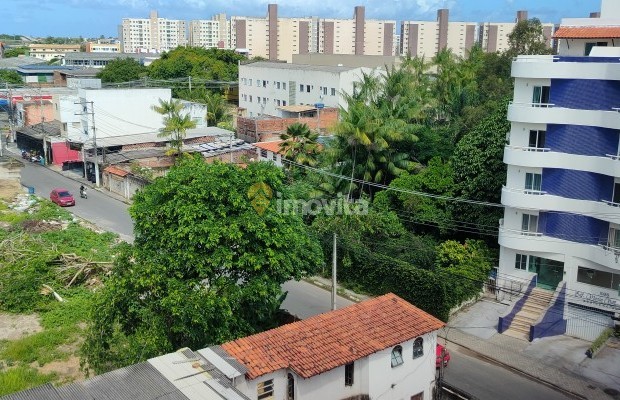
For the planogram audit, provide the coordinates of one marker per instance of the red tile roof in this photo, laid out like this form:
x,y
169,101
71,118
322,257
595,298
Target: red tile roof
x,y
274,146
116,171
587,32
326,341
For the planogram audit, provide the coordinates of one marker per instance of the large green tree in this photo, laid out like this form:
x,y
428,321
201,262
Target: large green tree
x,y
209,257
9,76
16,51
527,38
122,70
197,62
300,144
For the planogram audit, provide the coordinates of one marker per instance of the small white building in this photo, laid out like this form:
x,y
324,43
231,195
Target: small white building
x,y
269,151
265,87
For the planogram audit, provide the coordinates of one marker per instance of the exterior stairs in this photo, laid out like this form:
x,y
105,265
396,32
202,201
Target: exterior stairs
x,y
535,305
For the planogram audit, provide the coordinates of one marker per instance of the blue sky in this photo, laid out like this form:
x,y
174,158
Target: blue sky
x,y
92,18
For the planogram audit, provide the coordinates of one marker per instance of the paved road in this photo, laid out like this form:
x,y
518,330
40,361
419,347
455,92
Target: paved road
x,y
104,211
491,382
305,299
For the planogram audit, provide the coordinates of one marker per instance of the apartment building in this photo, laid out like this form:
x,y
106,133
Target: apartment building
x,y
427,38
152,35
268,88
561,222
493,36
209,33
103,46
50,52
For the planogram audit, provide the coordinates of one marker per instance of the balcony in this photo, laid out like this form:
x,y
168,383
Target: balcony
x,y
547,158
601,254
553,67
546,113
541,200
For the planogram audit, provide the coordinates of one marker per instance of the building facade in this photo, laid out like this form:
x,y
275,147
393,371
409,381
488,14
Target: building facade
x,y
268,88
152,35
50,52
103,46
562,194
205,33
493,36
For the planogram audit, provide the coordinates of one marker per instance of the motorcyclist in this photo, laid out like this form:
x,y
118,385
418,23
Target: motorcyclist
x,y
82,191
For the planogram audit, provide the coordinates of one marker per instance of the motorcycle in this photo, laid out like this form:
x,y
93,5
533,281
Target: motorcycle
x,y
83,193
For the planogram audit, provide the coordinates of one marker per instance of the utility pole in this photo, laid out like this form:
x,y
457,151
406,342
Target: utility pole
x,y
190,83
42,125
334,273
92,114
230,145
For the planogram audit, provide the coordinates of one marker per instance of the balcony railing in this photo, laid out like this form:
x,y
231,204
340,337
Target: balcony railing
x,y
526,191
525,148
613,156
537,105
611,203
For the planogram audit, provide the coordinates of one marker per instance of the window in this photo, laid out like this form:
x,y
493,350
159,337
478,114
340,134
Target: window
x,y
264,84
594,277
284,85
265,390
418,348
333,91
308,88
397,356
263,153
250,98
275,157
616,196
540,97
529,224
348,374
533,182
537,139
590,45
290,387
613,239
250,82
277,85
301,87
521,262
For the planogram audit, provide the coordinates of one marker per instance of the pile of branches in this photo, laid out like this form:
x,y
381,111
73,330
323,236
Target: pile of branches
x,y
74,269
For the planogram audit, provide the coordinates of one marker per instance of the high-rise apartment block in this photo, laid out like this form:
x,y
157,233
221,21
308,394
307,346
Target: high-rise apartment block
x,y
561,225
154,35
493,36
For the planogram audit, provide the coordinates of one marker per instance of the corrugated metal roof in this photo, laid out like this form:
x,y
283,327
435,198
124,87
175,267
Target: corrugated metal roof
x,y
44,392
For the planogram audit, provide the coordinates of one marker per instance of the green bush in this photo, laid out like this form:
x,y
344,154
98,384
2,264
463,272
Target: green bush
x,y
22,378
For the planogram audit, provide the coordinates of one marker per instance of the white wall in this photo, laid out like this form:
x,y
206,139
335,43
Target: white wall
x,y
524,89
124,112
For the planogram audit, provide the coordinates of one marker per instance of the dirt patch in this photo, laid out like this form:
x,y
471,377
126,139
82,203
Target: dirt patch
x,y
9,189
68,371
35,226
14,327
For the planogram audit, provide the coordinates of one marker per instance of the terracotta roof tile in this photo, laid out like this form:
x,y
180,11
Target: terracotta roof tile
x,y
115,171
323,342
587,32
274,146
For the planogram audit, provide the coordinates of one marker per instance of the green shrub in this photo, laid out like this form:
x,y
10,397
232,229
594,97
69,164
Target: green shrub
x,y
599,342
22,378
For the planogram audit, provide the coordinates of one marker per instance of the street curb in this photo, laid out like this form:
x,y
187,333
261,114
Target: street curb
x,y
519,371
343,293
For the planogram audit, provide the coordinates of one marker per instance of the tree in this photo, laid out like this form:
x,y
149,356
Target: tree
x,y
300,144
206,266
217,109
122,70
197,62
16,51
479,170
176,123
527,38
10,76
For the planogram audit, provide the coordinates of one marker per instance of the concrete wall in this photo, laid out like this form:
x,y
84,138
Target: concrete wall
x,y
262,130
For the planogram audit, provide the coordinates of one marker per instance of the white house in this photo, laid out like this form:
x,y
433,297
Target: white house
x,y
268,88
562,195
269,151
383,348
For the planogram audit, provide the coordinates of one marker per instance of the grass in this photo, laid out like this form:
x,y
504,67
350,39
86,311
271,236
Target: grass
x,y
42,347
73,311
21,378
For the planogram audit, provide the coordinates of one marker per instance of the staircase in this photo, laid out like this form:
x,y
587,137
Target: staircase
x,y
535,305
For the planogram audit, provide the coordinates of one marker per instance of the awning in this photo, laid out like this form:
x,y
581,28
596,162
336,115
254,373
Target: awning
x,y
587,32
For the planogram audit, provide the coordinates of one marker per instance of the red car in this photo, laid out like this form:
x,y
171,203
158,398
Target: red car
x,y
446,357
62,197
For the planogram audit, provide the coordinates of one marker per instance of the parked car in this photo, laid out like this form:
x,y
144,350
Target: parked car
x,y
446,357
62,197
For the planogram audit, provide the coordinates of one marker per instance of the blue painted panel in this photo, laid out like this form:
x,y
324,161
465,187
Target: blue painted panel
x,y
579,185
585,94
582,140
573,227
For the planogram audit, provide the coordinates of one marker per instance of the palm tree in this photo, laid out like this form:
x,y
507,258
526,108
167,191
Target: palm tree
x,y
217,109
176,123
300,144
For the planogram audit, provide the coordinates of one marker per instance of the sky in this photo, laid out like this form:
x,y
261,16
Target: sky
x,y
93,18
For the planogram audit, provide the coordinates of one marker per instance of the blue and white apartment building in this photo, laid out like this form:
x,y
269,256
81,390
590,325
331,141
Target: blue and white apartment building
x,y
562,194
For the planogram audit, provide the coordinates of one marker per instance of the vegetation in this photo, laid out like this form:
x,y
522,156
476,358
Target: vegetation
x,y
16,51
122,70
300,144
10,76
176,124
209,257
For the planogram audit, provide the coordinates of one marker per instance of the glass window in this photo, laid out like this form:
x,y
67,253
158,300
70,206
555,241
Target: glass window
x,y
263,153
265,390
418,348
333,91
397,356
301,87
290,387
598,278
614,238
308,88
284,85
540,96
521,262
529,223
616,197
537,139
533,182
348,374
